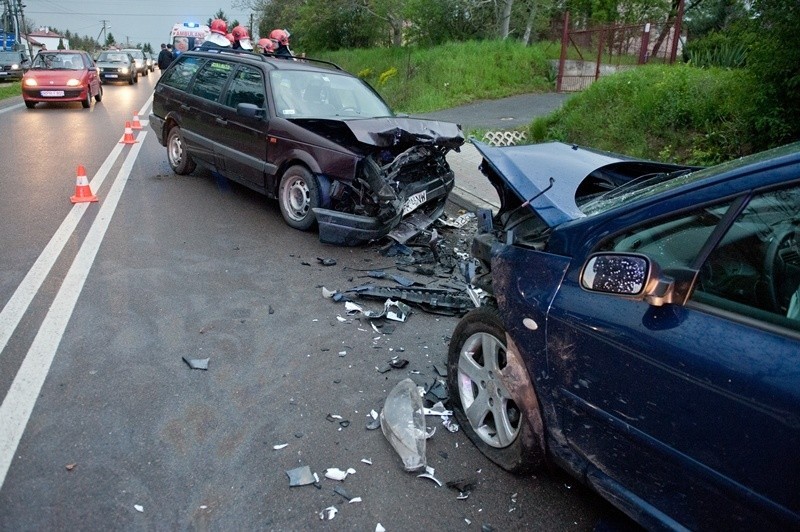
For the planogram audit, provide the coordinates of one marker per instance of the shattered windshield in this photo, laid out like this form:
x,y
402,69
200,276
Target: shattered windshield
x,y
304,94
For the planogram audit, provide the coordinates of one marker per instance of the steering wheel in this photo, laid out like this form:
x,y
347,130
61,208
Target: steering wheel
x,y
779,293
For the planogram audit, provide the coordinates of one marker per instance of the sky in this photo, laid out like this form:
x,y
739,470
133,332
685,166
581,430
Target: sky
x,y
138,21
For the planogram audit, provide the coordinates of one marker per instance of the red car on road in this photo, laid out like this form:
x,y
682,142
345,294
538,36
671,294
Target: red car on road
x,y
62,76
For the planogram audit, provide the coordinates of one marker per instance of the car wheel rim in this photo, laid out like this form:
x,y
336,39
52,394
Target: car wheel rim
x,y
175,151
492,413
296,199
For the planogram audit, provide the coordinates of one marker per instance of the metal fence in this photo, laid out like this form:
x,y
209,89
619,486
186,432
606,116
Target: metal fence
x,y
587,54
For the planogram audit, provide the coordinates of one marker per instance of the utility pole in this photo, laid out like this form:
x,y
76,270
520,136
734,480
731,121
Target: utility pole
x,y
106,25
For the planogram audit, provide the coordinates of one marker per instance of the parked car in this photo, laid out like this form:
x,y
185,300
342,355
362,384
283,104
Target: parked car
x,y
642,332
318,139
62,76
13,63
117,66
140,60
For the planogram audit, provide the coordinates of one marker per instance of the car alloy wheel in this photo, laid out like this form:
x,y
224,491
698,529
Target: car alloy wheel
x,y
298,193
480,369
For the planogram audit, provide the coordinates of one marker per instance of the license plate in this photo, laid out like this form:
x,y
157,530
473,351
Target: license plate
x,y
111,75
3,73
52,93
415,201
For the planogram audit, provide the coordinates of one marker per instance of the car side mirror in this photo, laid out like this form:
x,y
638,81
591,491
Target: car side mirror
x,y
250,110
627,274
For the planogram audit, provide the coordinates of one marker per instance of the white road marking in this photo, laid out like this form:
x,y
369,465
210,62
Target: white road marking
x,y
21,397
11,108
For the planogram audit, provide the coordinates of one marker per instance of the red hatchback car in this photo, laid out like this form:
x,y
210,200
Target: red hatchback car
x,y
62,76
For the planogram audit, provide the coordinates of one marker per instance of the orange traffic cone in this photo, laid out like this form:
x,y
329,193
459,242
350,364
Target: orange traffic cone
x,y
83,192
136,124
127,138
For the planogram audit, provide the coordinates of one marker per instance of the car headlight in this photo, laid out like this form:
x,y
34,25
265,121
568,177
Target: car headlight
x,y
30,82
15,67
124,70
72,82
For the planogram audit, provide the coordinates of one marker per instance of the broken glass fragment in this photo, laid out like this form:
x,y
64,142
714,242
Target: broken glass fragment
x,y
300,476
327,262
403,424
196,363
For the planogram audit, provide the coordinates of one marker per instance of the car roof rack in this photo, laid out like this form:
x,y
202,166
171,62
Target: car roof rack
x,y
263,57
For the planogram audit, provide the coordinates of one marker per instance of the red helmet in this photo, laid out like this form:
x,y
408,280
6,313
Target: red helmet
x,y
229,36
268,45
240,33
282,36
219,26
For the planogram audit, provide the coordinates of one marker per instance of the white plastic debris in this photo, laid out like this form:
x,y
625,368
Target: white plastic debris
x,y
280,446
355,499
379,528
437,410
367,461
328,513
334,473
328,294
138,507
341,319
352,308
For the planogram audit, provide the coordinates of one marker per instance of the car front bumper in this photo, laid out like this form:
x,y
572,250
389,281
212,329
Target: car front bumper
x,y
345,229
54,94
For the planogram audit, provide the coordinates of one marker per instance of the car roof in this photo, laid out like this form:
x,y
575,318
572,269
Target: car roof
x,y
273,62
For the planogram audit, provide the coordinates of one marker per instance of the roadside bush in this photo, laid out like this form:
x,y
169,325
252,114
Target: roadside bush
x,y
677,113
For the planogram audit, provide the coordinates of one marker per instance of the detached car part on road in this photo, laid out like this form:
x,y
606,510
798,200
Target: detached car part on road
x,y
643,332
62,76
318,139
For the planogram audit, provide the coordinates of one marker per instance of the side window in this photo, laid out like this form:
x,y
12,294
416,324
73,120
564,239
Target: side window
x,y
247,86
181,74
755,269
210,81
672,243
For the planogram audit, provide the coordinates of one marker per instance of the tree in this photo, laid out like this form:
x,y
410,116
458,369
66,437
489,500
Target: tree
x,y
110,41
61,44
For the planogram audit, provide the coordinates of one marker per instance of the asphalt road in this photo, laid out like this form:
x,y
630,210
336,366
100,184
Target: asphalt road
x,y
104,426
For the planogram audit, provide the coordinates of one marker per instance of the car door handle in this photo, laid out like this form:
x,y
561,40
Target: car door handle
x,y
221,121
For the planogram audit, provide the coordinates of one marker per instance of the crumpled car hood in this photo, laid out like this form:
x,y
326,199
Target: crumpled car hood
x,y
529,170
391,131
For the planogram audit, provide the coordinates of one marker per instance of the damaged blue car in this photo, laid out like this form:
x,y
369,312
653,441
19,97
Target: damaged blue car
x,y
641,330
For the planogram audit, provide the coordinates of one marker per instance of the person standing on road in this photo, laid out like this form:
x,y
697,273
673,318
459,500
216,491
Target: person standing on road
x,y
164,57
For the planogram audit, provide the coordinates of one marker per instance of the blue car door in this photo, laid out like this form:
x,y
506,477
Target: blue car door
x,y
692,409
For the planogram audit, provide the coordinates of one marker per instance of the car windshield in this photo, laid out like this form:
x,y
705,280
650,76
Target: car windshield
x,y
306,94
136,54
53,61
9,56
113,58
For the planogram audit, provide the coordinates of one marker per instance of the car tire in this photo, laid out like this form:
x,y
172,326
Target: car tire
x,y
481,400
131,80
136,77
298,193
30,105
87,102
179,160
99,96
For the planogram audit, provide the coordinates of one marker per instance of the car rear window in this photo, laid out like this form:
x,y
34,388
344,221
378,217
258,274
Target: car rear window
x,y
181,73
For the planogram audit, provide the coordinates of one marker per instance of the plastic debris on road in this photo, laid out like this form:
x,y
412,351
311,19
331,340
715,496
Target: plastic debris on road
x,y
196,363
429,472
301,476
403,424
328,513
138,507
280,446
334,473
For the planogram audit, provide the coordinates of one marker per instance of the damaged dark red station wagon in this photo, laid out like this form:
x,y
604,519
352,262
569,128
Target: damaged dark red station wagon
x,y
319,140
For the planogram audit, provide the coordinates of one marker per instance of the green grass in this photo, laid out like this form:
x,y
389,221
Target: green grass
x,y
674,113
9,90
420,80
